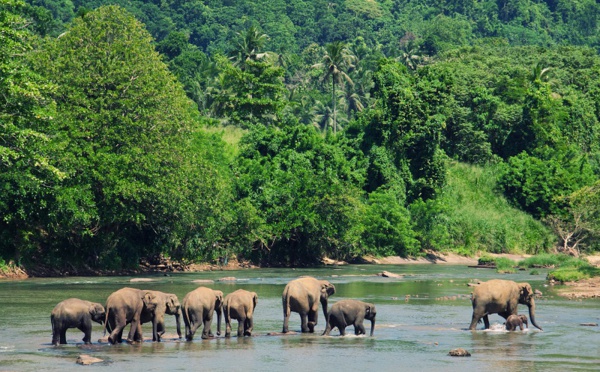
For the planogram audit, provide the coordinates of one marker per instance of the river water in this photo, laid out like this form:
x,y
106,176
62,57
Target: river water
x,y
420,318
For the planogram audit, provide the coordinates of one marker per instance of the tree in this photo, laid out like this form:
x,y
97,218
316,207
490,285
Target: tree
x,y
248,46
337,60
126,125
28,170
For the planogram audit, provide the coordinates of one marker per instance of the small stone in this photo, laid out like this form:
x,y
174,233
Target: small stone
x,y
589,324
387,274
228,279
459,353
86,360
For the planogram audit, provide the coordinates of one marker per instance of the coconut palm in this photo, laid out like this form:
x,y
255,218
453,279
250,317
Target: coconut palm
x,y
247,46
337,61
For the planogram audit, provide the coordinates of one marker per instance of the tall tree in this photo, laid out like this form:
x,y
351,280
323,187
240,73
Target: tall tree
x,y
126,123
28,172
337,61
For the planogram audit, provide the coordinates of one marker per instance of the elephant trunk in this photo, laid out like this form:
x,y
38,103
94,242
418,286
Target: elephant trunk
x,y
532,314
372,326
178,321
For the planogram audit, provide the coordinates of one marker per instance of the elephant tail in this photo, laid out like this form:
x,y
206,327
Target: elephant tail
x,y
106,321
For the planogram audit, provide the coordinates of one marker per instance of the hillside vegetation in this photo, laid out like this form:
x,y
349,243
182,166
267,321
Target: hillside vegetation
x,y
283,132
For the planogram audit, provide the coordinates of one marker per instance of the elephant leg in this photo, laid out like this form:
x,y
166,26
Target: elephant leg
x,y
304,322
241,323
342,330
313,316
63,336
116,335
474,320
227,324
486,322
359,328
206,333
135,334
87,333
193,328
248,326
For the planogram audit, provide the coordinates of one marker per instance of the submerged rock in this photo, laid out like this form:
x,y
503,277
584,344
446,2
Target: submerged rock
x,y
459,353
387,274
86,360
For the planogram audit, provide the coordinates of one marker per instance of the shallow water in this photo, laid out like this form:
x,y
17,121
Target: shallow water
x,y
420,318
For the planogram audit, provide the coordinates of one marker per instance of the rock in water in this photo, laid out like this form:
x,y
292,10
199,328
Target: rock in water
x,y
459,353
86,360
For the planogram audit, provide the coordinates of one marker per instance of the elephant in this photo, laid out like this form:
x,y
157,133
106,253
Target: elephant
x,y
240,306
75,313
501,297
126,306
167,303
346,312
198,307
302,296
514,321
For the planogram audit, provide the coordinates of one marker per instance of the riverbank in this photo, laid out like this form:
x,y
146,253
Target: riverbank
x,y
589,288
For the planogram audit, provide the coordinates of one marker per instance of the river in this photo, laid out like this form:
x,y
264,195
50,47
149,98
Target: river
x,y
420,318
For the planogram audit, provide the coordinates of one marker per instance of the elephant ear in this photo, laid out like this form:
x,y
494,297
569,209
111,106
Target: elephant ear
x,y
327,289
149,300
525,291
219,297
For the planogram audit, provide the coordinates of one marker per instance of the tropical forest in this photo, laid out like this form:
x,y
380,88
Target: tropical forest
x,y
285,132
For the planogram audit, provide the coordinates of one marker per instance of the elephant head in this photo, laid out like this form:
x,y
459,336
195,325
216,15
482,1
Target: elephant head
x,y
327,289
219,309
97,312
526,296
149,300
174,308
370,314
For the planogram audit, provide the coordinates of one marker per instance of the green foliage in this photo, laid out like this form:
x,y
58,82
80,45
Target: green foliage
x,y
387,227
129,146
28,170
536,183
479,219
551,261
305,190
573,273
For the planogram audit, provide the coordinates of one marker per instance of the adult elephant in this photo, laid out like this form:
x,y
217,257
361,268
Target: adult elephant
x,y
350,312
166,303
126,306
501,297
75,313
198,308
240,305
302,296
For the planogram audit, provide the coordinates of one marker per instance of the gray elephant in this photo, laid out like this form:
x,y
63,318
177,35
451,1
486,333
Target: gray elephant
x,y
350,312
302,296
126,306
514,321
75,313
240,306
167,303
501,297
198,308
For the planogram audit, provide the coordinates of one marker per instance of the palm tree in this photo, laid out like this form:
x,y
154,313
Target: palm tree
x,y
337,60
248,45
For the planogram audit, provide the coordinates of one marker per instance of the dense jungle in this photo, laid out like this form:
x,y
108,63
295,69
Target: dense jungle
x,y
282,132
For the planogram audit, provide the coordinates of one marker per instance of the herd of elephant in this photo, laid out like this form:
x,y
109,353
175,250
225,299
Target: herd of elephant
x,y
302,295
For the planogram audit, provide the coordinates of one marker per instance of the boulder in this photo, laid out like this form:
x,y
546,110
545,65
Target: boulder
x,y
459,353
387,274
86,360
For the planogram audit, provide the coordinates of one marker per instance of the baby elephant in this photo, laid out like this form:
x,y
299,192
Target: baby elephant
x,y
514,321
346,312
75,313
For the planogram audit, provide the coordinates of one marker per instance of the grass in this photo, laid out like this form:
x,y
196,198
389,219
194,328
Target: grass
x,y
481,219
503,265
